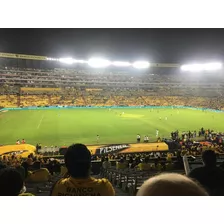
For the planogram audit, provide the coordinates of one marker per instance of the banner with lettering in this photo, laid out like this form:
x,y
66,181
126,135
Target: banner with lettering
x,y
111,148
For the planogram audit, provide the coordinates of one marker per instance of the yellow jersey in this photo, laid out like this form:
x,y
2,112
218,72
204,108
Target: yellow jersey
x,y
41,175
82,187
144,166
121,166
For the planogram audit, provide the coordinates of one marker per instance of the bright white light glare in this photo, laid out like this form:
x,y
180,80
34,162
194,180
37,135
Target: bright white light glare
x,y
141,64
201,67
213,66
193,67
66,60
98,63
52,59
79,61
121,63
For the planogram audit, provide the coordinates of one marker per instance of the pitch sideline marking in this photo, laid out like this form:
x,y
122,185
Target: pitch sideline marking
x,y
40,121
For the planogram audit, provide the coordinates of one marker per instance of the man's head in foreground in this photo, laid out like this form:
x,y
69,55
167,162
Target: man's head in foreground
x,y
171,184
78,161
11,182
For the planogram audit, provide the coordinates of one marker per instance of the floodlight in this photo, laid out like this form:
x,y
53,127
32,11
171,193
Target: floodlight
x,y
201,67
141,64
121,63
66,60
98,62
79,61
192,67
212,66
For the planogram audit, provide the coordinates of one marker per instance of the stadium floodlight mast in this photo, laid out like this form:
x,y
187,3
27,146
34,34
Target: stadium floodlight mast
x,y
102,63
98,63
141,64
202,67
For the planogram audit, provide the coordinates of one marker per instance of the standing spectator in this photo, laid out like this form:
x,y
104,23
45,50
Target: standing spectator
x,y
97,138
147,138
138,138
37,147
23,141
78,181
209,176
106,164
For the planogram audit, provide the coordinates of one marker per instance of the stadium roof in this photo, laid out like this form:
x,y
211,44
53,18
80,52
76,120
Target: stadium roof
x,y
68,60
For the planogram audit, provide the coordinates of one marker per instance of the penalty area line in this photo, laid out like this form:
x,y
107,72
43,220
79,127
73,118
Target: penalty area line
x,y
40,121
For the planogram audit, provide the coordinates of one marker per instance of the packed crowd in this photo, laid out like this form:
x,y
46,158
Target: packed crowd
x,y
69,87
110,97
76,179
209,139
66,76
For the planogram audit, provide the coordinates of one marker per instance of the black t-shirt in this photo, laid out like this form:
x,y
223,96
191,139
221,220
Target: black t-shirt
x,y
211,178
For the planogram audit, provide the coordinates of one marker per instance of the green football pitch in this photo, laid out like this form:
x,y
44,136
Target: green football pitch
x,y
66,126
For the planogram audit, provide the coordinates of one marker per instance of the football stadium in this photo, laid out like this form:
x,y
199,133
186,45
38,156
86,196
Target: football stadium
x,y
137,119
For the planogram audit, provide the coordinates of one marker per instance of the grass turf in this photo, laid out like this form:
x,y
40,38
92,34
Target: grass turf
x,y
65,126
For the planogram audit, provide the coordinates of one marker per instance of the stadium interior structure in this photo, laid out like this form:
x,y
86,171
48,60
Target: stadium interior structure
x,y
36,81
26,83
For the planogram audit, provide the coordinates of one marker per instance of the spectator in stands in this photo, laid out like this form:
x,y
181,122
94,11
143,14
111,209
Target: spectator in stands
x,y
54,166
135,162
11,182
25,166
2,166
171,184
5,160
121,164
144,165
209,176
29,160
78,181
106,164
130,161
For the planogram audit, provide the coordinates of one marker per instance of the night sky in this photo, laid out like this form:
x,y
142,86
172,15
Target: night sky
x,y
154,45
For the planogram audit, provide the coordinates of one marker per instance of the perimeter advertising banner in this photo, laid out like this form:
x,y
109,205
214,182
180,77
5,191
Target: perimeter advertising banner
x,y
23,149
122,148
111,148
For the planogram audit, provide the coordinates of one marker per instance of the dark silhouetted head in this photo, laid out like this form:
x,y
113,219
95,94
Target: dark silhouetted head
x,y
78,161
209,158
11,182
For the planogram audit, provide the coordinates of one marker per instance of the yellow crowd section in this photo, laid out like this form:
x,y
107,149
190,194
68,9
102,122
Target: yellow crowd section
x,y
27,89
